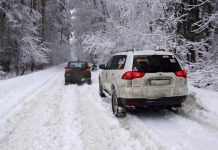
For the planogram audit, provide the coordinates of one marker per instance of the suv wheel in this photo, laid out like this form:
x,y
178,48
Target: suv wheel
x,y
101,90
118,111
174,108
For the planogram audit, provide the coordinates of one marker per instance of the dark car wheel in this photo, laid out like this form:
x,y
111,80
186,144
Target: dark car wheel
x,y
101,90
66,83
118,110
89,81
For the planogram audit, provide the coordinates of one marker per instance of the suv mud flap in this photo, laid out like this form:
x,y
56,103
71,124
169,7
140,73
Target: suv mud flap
x,y
120,102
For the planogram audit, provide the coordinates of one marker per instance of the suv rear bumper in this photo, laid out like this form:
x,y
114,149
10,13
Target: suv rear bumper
x,y
142,102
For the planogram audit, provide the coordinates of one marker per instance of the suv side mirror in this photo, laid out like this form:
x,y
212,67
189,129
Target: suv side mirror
x,y
102,66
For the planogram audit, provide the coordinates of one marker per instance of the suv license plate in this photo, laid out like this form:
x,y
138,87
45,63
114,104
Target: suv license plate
x,y
161,82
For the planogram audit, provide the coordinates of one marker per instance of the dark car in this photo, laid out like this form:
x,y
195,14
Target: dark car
x,y
77,72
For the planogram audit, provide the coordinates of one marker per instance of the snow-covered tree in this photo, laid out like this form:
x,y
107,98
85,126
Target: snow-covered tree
x,y
34,33
135,24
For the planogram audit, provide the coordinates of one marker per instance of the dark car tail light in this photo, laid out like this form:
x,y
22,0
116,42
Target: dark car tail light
x,y
181,73
129,75
68,70
87,69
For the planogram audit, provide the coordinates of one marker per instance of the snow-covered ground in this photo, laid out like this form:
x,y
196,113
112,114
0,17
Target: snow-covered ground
x,y
37,111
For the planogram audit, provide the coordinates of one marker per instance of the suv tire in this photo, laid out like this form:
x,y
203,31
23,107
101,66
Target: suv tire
x,y
174,108
101,93
118,110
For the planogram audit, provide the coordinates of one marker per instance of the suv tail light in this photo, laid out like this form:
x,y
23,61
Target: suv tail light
x,y
181,73
68,70
129,75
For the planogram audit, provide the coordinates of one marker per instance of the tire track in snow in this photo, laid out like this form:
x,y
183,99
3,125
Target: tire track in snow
x,y
173,131
72,128
136,129
101,130
193,111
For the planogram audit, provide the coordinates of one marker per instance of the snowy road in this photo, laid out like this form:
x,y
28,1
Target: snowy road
x,y
52,116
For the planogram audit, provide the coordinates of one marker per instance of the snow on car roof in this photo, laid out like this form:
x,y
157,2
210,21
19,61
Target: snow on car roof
x,y
147,52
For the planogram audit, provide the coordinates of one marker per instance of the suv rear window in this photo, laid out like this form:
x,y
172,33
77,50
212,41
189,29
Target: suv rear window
x,y
77,65
155,63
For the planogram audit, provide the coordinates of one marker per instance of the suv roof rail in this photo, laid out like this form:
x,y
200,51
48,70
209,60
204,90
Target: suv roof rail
x,y
129,50
160,49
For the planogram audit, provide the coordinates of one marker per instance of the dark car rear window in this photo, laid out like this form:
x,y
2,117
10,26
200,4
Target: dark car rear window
x,y
156,63
77,65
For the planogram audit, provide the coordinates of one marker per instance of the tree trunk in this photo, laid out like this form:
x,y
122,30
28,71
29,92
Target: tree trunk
x,y
61,41
33,5
32,66
104,7
22,2
43,2
17,70
23,71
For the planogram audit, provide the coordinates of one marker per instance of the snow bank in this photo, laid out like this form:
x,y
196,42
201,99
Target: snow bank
x,y
13,91
201,106
206,98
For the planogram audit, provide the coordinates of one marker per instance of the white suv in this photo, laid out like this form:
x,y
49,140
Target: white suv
x,y
143,79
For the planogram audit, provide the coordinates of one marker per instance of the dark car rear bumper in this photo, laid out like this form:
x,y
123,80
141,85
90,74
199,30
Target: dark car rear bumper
x,y
76,78
142,102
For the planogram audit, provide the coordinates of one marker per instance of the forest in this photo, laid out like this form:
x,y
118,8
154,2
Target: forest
x,y
34,33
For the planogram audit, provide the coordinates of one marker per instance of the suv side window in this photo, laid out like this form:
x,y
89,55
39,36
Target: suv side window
x,y
108,65
118,62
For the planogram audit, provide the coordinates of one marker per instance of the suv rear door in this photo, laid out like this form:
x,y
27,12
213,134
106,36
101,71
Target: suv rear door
x,y
159,79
